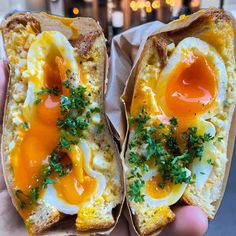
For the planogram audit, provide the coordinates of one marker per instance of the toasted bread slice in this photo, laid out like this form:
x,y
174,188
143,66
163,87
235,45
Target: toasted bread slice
x,y
214,27
86,37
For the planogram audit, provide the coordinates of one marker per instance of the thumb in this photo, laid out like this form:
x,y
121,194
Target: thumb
x,y
190,221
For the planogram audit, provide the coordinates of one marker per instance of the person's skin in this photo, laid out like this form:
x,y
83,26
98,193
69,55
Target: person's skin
x,y
190,220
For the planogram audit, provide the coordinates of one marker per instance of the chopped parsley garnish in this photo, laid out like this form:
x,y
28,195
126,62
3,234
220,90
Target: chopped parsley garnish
x,y
75,100
34,194
226,103
95,110
46,172
220,139
48,181
26,200
92,110
73,126
25,125
37,101
161,126
209,161
68,72
65,143
134,193
55,164
22,198
55,91
161,185
173,121
162,146
66,83
73,122
99,127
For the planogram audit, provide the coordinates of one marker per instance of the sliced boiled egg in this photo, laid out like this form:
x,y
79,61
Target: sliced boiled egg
x,y
87,160
193,80
154,195
77,187
202,168
41,65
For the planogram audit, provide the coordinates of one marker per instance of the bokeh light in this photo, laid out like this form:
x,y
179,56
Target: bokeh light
x,y
75,10
156,4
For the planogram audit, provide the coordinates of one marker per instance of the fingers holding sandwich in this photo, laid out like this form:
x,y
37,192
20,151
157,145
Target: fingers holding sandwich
x,y
190,221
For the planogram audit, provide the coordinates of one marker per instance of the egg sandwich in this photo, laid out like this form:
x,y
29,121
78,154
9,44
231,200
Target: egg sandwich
x,y
59,158
180,100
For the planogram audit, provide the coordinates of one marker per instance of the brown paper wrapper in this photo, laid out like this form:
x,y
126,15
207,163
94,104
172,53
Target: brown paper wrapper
x,y
125,48
126,52
66,226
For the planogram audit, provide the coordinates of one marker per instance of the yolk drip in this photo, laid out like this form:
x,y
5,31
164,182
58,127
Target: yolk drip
x,y
48,111
62,72
41,138
193,89
52,74
72,191
153,189
38,142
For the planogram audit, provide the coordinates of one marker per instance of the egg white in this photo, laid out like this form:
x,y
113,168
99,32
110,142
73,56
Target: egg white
x,y
201,167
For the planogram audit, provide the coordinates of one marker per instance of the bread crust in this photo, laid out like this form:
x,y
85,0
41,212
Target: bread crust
x,y
196,25
77,30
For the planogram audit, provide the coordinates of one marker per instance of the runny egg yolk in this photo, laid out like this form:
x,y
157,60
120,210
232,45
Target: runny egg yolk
x,y
154,190
72,191
192,88
29,155
48,111
41,138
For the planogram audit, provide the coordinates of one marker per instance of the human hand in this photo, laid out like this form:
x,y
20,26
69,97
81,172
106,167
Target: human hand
x,y
190,220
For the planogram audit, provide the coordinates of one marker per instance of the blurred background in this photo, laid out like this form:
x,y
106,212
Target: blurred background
x,y
116,16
